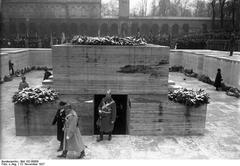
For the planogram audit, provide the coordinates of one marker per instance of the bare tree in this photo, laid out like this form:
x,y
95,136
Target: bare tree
x,y
110,8
153,8
231,11
164,6
175,8
200,9
143,7
213,5
184,10
171,8
221,5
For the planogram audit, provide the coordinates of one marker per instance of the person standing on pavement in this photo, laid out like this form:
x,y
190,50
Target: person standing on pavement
x,y
72,136
107,116
218,80
23,84
11,69
60,120
47,74
231,44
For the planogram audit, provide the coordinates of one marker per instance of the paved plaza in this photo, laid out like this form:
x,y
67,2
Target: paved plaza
x,y
221,139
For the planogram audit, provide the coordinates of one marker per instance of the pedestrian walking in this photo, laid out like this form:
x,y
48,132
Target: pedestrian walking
x,y
72,136
59,119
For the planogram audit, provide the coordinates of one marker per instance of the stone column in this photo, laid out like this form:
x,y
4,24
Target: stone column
x,y
27,26
119,28
27,31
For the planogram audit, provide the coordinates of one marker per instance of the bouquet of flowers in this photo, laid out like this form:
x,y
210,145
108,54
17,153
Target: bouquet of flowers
x,y
107,40
35,96
189,97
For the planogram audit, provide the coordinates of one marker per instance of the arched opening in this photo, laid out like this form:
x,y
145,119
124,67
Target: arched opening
x,y
165,29
12,29
124,29
155,29
93,29
114,29
175,30
204,28
134,29
104,30
83,29
74,29
22,29
43,29
32,29
185,28
144,29
64,28
53,29
3,30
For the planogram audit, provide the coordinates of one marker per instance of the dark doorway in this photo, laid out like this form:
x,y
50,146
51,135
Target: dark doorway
x,y
120,126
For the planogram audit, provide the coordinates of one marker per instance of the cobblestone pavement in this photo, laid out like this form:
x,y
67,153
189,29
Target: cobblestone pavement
x,y
221,140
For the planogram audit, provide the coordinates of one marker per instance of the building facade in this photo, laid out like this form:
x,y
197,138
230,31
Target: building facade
x,y
45,17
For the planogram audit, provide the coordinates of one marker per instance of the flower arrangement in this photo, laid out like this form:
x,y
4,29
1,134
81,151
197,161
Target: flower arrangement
x,y
233,92
35,96
189,97
107,40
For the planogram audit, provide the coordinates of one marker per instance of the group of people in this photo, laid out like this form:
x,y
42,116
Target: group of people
x,y
68,133
30,42
207,40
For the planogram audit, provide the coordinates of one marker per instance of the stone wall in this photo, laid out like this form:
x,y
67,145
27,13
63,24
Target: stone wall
x,y
23,58
93,69
82,71
33,120
222,45
207,62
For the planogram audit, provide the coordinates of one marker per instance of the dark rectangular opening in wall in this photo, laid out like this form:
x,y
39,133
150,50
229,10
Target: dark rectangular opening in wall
x,y
120,127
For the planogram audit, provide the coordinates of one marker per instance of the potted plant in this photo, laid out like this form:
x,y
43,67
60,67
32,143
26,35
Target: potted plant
x,y
34,110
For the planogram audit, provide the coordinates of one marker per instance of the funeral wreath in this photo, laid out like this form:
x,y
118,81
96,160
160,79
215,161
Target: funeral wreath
x,y
107,40
35,96
189,97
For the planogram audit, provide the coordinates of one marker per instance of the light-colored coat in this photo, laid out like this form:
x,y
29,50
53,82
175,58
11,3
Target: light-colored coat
x,y
71,130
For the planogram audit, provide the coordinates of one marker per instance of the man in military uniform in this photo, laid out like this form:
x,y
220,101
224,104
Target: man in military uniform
x,y
60,120
107,116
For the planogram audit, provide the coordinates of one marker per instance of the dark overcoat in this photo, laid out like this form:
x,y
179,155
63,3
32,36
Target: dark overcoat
x,y
218,80
106,115
60,120
47,74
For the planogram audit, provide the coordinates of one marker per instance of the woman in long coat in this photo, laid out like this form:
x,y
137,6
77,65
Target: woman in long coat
x,y
72,136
